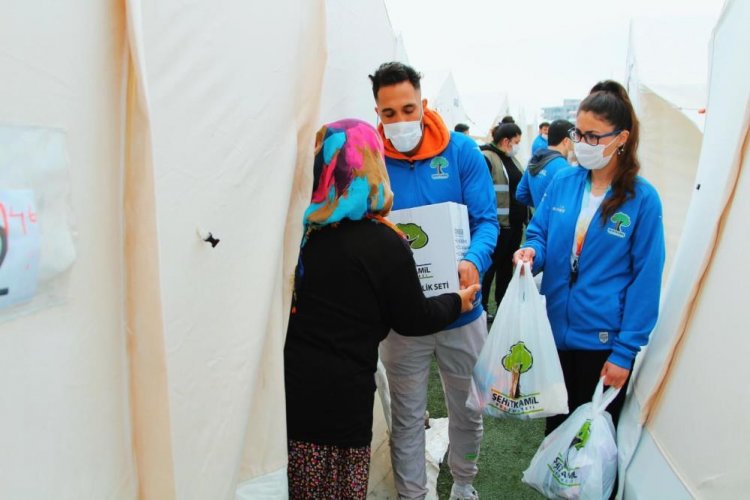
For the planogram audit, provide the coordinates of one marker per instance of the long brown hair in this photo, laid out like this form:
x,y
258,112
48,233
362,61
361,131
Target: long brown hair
x,y
609,101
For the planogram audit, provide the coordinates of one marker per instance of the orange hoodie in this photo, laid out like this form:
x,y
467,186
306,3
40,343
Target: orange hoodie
x,y
435,138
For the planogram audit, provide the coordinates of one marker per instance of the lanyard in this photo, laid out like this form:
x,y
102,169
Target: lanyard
x,y
582,227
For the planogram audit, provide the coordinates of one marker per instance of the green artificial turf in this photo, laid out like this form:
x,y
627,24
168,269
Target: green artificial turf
x,y
507,448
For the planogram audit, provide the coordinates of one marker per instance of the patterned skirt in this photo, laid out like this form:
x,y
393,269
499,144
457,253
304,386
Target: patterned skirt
x,y
327,472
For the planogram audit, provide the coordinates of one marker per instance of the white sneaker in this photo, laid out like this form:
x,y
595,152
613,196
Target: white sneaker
x,y
463,492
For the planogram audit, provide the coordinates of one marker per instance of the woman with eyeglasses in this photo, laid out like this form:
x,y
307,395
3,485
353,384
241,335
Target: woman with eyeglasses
x,y
598,237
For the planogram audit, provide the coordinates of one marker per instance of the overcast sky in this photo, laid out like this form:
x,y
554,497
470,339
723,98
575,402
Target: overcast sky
x,y
536,51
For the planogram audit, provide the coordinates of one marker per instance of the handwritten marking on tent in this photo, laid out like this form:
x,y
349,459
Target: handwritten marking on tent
x,y
20,240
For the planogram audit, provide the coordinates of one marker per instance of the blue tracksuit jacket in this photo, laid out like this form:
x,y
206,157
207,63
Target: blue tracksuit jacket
x,y
614,302
458,174
539,143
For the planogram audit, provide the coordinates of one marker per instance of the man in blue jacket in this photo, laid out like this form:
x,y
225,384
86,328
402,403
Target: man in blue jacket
x,y
428,164
541,140
545,164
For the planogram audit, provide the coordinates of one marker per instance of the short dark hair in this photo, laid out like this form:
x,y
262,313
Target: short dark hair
x,y
558,130
461,127
391,73
507,119
505,131
543,124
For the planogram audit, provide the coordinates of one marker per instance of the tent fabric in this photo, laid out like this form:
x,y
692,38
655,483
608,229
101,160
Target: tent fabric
x,y
359,39
668,57
161,374
694,369
66,429
227,145
667,99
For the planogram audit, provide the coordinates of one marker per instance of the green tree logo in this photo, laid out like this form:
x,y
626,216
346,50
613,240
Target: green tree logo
x,y
415,235
439,164
582,437
580,440
518,360
620,220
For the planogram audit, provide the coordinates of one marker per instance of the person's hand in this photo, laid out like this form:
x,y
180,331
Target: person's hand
x,y
524,255
614,375
467,274
468,295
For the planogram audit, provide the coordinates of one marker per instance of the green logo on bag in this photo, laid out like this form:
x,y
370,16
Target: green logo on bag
x,y
415,235
582,437
620,220
563,469
518,360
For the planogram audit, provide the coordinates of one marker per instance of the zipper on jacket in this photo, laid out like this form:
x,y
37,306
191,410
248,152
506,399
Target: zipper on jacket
x,y
573,274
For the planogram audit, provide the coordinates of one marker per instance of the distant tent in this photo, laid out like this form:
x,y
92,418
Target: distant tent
x,y
667,67
439,88
485,109
683,431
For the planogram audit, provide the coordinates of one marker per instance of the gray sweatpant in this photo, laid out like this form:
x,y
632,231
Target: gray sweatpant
x,y
407,362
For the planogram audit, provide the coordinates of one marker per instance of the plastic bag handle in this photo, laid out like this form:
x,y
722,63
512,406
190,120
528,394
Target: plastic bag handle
x,y
526,282
602,399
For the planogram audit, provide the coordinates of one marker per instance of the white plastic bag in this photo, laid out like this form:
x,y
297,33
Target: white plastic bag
x,y
579,458
518,372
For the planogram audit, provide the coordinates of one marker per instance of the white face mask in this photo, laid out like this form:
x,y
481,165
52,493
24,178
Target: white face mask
x,y
515,148
545,137
404,136
592,157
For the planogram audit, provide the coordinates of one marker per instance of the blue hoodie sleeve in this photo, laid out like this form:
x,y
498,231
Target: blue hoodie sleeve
x,y
536,232
641,308
523,193
479,196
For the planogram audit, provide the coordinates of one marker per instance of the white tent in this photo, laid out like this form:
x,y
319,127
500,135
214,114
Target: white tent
x,y
359,39
683,432
439,88
159,375
485,110
667,67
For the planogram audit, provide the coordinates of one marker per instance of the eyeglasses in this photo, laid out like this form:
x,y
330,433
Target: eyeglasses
x,y
589,138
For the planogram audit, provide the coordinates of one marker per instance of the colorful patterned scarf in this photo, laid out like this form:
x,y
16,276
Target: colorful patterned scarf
x,y
349,182
349,177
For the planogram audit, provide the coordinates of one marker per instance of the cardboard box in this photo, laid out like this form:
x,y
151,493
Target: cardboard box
x,y
439,236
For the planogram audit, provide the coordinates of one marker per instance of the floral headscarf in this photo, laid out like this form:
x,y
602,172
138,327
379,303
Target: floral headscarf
x,y
349,177
349,181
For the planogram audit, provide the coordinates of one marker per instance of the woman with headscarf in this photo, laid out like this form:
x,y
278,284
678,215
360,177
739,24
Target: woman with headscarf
x,y
356,280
